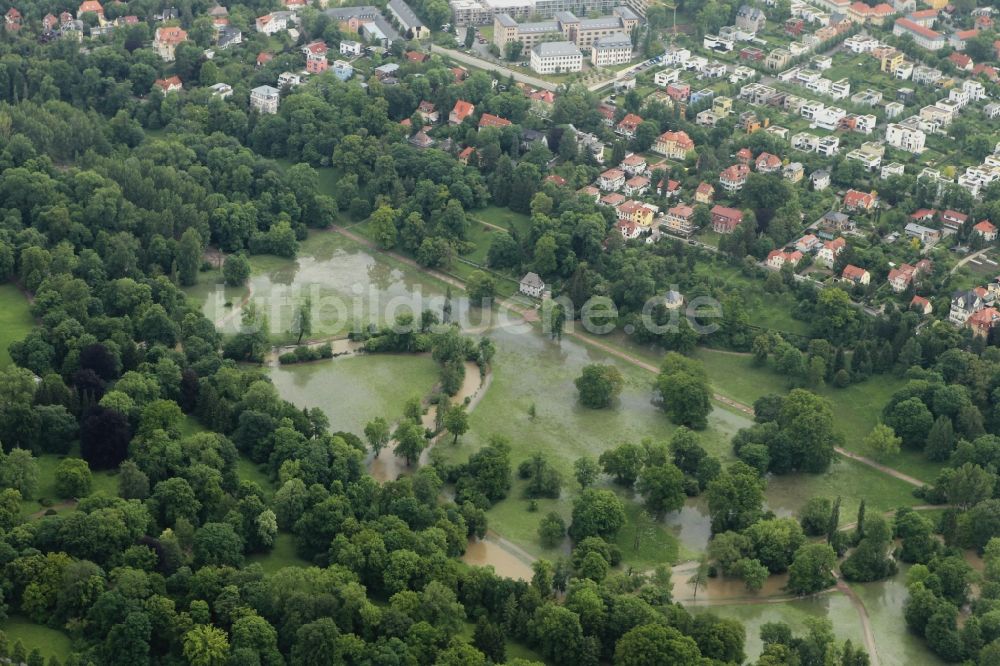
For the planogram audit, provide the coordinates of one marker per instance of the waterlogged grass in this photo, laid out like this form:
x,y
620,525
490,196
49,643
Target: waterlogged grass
x,y
857,408
50,642
531,370
282,555
15,319
896,646
834,606
352,391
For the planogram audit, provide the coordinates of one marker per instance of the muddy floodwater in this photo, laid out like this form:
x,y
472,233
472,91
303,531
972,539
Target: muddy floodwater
x,y
504,562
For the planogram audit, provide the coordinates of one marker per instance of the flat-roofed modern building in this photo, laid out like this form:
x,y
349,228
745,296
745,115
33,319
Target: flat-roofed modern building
x,y
582,32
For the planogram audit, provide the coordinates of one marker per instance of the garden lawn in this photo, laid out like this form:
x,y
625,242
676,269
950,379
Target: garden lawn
x,y
15,319
282,555
50,642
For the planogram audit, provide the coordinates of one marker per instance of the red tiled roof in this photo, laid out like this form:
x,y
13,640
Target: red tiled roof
x,y
463,109
985,227
852,272
927,33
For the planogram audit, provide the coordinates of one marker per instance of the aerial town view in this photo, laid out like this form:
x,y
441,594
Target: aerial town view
x,y
527,332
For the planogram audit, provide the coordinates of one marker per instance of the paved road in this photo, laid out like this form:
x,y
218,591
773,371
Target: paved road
x,y
492,66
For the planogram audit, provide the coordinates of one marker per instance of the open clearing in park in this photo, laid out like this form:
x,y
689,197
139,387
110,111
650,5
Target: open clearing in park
x,y
50,642
15,319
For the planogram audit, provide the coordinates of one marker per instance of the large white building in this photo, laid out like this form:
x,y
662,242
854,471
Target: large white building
x,y
265,99
905,138
556,58
612,50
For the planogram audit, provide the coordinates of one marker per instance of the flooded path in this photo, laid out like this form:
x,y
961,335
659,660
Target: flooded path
x,y
505,558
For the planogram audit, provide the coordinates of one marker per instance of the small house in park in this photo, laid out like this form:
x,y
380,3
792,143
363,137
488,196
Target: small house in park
x,y
674,300
532,285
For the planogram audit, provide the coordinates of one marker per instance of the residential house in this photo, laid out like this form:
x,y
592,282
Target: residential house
x,y
777,259
489,120
670,189
964,304
221,90
460,112
767,163
611,180
410,25
634,164
732,179
704,193
983,321
901,277
465,157
922,233
169,85
725,220
831,249
820,179
265,99
892,169
750,18
351,47
860,201
673,300
636,186
628,125
316,62
985,230
678,92
227,36
532,285
675,145
808,243
12,20
855,274
166,40
90,7
428,112
629,229
905,138
590,191
680,219
613,199
421,140
635,211
272,23
924,37
921,305
952,219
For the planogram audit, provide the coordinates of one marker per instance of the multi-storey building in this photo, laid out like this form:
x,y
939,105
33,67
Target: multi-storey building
x,y
615,49
582,32
556,58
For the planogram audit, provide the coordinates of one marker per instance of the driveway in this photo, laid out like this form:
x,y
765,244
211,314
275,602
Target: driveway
x,y
489,66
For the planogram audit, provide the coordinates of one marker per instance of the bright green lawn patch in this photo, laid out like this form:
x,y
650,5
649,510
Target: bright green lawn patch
x,y
503,217
50,642
281,556
191,426
104,481
15,319
248,470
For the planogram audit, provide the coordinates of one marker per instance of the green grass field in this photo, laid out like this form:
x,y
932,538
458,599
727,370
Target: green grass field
x,y
104,481
15,319
281,556
50,642
503,217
